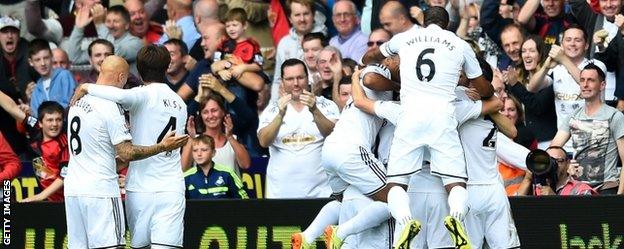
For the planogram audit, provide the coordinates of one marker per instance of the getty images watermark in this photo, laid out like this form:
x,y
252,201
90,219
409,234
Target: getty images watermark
x,y
6,212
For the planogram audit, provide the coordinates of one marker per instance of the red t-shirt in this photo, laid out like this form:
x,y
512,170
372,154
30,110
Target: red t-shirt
x,y
55,155
248,50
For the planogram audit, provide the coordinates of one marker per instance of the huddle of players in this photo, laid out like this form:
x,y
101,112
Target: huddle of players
x,y
441,135
101,142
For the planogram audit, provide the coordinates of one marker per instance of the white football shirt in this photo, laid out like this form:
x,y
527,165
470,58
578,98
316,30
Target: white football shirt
x,y
154,110
356,127
431,62
95,126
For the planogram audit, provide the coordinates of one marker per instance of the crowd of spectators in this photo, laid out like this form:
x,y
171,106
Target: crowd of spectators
x,y
268,78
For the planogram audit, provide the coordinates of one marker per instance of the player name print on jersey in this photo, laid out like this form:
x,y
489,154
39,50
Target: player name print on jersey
x,y
169,103
427,38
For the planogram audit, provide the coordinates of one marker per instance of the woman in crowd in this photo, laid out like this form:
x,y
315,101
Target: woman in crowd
x,y
512,109
214,121
540,115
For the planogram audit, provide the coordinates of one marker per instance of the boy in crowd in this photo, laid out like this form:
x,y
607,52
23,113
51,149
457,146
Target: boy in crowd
x,y
55,84
238,52
210,180
49,141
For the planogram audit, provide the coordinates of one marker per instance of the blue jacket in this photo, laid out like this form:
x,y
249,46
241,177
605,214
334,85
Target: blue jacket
x,y
61,90
220,183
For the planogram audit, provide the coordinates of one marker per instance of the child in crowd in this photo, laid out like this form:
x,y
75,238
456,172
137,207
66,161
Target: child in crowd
x,y
209,180
48,141
55,84
239,52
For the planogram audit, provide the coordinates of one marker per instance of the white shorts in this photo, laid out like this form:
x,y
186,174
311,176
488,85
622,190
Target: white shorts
x,y
438,133
94,222
374,238
352,165
430,209
156,219
488,216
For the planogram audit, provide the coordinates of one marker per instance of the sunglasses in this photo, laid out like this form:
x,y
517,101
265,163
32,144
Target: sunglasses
x,y
371,43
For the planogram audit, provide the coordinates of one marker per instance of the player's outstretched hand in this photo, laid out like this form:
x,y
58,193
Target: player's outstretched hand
x,y
356,90
170,142
458,202
80,92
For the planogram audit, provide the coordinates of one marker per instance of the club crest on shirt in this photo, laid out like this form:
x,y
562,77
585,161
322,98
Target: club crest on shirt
x,y
298,140
220,181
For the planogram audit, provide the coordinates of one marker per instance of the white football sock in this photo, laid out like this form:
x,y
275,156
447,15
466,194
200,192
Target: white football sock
x,y
398,203
329,215
371,216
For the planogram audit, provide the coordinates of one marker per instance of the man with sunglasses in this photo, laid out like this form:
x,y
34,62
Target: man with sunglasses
x,y
378,37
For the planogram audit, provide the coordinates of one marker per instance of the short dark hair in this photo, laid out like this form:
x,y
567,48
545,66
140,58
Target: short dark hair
x,y
293,62
592,66
49,107
120,10
236,14
315,35
345,80
579,27
179,43
103,42
37,45
152,63
436,15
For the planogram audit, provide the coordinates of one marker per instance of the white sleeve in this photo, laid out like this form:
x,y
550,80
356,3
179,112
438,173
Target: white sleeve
x,y
328,108
376,68
116,125
511,153
471,64
128,98
466,110
388,110
268,115
392,46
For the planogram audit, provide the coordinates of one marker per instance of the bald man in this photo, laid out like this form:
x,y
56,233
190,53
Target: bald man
x,y
181,12
395,18
60,59
206,16
97,134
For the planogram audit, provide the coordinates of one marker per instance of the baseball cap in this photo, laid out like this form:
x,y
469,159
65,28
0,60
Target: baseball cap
x,y
6,21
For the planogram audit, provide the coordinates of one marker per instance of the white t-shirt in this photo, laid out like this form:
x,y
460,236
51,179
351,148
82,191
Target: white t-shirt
x,y
154,111
294,169
95,126
225,156
431,62
610,87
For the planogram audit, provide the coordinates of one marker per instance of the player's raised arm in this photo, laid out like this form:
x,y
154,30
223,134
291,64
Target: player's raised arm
x,y
130,152
126,97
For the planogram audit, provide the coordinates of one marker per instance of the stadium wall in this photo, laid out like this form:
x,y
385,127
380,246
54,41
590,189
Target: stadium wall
x,y
547,222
